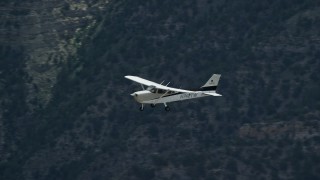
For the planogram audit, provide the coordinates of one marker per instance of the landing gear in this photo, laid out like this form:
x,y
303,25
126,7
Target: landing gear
x,y
141,108
166,107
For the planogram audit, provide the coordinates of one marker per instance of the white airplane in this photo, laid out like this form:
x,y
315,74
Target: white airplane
x,y
157,93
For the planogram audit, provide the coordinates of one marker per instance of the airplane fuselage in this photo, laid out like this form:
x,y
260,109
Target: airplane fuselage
x,y
147,97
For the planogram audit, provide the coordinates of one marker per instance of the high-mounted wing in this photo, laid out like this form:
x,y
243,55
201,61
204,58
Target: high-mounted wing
x,y
156,85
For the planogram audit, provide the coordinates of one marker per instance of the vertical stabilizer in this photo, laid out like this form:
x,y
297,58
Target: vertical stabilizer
x,y
212,83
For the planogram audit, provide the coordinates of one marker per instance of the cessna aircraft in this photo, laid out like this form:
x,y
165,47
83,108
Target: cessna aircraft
x,y
157,93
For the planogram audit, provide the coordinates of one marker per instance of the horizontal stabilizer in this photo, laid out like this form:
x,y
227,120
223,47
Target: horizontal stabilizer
x,y
213,94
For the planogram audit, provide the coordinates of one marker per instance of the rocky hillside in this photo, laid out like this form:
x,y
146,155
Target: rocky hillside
x,y
37,40
66,112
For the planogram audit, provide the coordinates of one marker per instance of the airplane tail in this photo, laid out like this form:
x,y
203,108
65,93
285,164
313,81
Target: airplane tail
x,y
212,83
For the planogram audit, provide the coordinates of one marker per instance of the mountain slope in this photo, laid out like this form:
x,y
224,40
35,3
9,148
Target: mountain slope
x,y
264,127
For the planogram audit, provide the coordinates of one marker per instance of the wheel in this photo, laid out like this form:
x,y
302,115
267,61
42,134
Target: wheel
x,y
152,105
141,108
167,108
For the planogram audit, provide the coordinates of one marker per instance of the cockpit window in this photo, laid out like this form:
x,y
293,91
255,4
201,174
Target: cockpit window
x,y
152,89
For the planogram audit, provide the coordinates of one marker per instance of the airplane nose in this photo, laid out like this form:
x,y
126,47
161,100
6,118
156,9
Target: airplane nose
x,y
133,94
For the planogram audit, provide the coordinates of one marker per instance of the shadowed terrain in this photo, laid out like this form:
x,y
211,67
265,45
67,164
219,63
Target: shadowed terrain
x,y
66,110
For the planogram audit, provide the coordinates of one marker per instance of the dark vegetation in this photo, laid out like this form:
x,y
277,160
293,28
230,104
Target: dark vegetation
x,y
266,126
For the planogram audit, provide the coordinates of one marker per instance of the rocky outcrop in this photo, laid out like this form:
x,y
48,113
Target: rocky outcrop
x,y
50,33
37,38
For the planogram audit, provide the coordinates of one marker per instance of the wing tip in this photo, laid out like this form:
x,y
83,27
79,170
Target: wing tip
x,y
128,76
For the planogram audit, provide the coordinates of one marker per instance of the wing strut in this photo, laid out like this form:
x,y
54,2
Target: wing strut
x,y
162,96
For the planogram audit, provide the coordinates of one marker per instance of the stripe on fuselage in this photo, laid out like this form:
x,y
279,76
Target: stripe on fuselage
x,y
175,97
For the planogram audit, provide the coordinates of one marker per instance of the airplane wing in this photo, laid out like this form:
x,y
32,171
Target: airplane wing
x,y
213,94
156,85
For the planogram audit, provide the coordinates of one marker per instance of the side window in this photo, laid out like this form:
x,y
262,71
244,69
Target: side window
x,y
153,90
160,91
